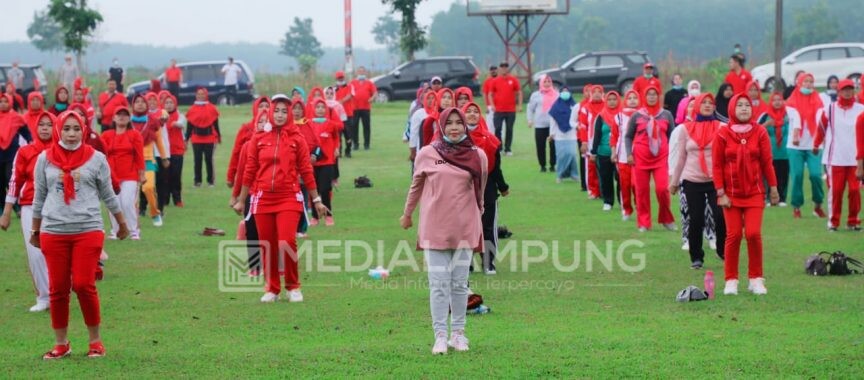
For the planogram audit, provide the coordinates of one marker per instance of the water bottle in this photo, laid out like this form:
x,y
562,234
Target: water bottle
x,y
709,284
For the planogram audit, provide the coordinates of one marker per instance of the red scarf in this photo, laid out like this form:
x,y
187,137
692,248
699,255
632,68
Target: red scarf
x,y
462,155
10,123
69,160
806,105
608,114
845,104
202,114
483,138
702,132
652,111
778,116
743,131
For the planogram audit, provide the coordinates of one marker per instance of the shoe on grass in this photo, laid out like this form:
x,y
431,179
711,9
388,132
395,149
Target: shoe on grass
x,y
157,221
440,346
757,286
295,296
97,350
269,297
60,351
731,288
458,341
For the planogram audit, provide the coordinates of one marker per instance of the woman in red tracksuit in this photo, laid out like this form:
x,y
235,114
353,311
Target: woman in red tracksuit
x,y
124,149
741,155
588,114
71,178
243,135
327,129
627,190
276,161
298,110
647,143
248,230
175,124
21,191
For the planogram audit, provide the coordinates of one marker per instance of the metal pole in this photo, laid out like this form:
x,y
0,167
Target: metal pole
x,y
349,53
778,46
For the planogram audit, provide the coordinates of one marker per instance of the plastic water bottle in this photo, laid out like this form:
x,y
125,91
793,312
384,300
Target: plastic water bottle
x,y
709,284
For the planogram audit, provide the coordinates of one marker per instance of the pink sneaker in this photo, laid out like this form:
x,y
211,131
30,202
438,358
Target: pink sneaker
x,y
440,346
328,221
313,222
458,340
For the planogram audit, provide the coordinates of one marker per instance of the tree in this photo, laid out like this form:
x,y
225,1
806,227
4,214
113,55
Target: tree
x,y
813,25
301,44
386,31
413,36
44,32
77,23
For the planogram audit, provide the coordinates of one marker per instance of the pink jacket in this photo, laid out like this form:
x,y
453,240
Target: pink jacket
x,y
449,216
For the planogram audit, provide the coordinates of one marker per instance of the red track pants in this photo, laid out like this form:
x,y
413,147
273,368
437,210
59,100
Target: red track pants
x,y
746,222
642,179
72,261
841,176
279,230
625,182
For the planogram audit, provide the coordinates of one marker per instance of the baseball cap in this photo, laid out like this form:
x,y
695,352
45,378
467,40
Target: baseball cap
x,y
648,65
845,83
434,79
493,67
122,109
340,74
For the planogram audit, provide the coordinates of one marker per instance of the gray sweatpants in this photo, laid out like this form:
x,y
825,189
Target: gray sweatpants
x,y
448,287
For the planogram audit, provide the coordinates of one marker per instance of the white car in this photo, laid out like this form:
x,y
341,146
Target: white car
x,y
845,60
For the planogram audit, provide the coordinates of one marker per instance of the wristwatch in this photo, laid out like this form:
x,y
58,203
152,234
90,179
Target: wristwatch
x,y
34,232
316,199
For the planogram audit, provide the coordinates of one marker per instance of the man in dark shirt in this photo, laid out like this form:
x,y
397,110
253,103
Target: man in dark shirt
x,y
117,74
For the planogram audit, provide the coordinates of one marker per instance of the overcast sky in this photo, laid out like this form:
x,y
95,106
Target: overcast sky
x,y
185,22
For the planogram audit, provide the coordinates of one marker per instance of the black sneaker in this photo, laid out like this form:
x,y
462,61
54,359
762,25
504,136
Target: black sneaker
x,y
856,228
696,265
542,169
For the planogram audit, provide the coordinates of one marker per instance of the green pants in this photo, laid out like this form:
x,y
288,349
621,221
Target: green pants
x,y
798,159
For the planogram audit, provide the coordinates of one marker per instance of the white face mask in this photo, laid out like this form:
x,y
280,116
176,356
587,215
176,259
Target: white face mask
x,y
694,92
70,147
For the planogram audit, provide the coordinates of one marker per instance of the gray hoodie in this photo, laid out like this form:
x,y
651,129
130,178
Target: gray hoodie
x,y
82,214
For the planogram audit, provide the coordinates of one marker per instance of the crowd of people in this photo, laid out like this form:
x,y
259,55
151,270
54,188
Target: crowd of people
x,y
729,156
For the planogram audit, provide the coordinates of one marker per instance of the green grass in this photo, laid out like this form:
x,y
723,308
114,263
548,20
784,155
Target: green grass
x,y
164,316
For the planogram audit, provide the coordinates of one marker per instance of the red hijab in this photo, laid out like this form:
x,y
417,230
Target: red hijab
x,y
463,91
289,127
462,155
202,114
38,143
806,105
758,109
10,123
595,106
608,114
629,111
651,110
743,131
702,132
69,160
482,137
33,115
778,116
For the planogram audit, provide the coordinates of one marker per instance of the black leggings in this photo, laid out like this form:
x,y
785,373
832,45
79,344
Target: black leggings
x,y
541,135
205,152
5,176
781,168
324,181
606,172
699,196
163,186
253,248
176,176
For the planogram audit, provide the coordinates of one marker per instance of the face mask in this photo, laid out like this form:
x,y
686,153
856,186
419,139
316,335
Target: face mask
x,y
565,95
70,147
319,119
361,77
677,86
806,91
116,63
340,82
649,76
447,139
471,128
61,106
694,92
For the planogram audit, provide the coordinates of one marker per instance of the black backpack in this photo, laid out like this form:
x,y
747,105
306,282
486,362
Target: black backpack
x,y
362,181
834,264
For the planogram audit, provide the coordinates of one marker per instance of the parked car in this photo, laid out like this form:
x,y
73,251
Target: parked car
x,y
403,81
845,60
615,70
31,72
208,75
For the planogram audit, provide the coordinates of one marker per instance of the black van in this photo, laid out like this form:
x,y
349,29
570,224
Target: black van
x,y
615,70
208,75
31,72
403,81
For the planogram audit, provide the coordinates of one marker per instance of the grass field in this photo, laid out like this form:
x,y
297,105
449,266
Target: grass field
x,y
165,317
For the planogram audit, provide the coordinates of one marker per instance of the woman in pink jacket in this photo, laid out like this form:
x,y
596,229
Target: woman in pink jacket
x,y
449,178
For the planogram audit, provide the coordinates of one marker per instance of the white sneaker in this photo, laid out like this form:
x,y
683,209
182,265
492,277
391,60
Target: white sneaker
x,y
440,346
157,221
269,297
757,286
731,288
458,341
491,272
670,226
713,244
295,296
625,217
112,237
40,306
643,230
557,180
685,246
783,204
607,207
